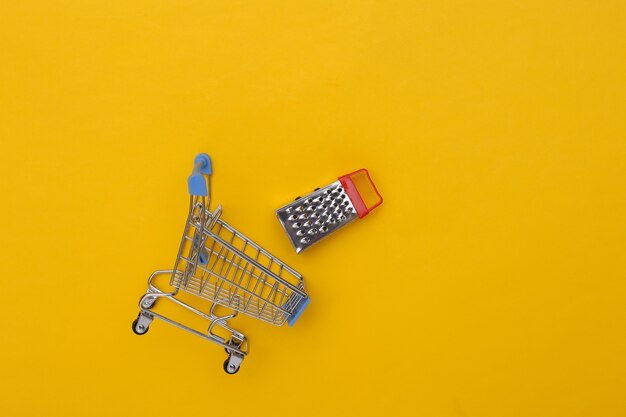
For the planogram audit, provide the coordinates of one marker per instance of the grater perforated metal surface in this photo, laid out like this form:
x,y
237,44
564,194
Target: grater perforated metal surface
x,y
311,218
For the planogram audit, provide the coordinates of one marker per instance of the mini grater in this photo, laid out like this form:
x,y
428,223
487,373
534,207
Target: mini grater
x,y
311,218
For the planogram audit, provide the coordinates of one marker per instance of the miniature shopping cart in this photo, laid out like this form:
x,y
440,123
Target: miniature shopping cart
x,y
217,263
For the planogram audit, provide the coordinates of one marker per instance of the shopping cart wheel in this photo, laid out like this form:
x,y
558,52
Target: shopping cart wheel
x,y
140,327
229,368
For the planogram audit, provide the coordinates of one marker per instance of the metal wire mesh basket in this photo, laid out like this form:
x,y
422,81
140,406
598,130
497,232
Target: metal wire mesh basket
x,y
222,265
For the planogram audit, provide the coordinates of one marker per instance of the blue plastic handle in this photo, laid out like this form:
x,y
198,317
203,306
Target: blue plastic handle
x,y
197,182
205,163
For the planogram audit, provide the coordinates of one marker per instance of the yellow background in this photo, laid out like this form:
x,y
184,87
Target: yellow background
x,y
489,283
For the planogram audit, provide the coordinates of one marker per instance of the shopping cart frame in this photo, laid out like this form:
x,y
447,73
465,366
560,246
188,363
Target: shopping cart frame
x,y
236,346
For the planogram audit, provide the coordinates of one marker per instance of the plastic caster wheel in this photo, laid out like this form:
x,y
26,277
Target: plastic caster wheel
x,y
137,331
228,370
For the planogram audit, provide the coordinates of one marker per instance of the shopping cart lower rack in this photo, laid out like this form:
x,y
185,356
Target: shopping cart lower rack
x,y
217,263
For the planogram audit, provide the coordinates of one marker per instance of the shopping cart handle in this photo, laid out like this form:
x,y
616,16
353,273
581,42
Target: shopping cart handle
x,y
197,182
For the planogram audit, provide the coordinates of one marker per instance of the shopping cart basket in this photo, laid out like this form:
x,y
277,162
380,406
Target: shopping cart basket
x,y
218,263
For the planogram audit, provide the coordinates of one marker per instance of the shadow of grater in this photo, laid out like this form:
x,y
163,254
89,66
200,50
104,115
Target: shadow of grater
x,y
311,218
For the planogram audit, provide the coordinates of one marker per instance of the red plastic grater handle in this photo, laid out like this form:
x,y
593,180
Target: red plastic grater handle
x,y
357,201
